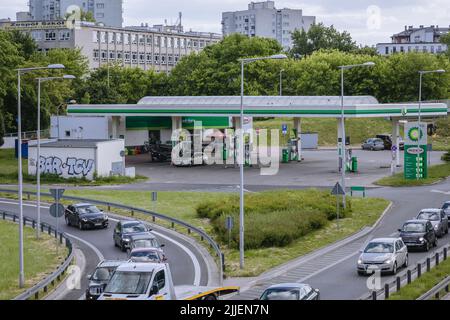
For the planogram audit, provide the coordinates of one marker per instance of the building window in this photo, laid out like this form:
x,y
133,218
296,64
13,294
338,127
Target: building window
x,y
127,56
64,35
133,39
100,6
119,37
141,39
141,57
50,35
112,55
149,58
95,37
102,37
103,55
96,54
119,55
425,49
111,37
149,40
36,35
134,56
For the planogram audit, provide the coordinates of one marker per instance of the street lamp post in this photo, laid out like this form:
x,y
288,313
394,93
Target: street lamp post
x,y
281,82
19,156
38,151
421,73
342,155
242,150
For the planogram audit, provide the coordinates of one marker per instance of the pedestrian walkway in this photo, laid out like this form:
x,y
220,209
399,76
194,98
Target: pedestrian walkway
x,y
304,268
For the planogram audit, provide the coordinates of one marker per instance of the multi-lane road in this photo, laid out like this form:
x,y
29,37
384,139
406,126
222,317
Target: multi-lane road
x,y
187,263
333,273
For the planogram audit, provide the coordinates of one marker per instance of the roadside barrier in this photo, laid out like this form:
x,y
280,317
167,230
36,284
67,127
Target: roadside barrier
x,y
43,286
412,274
154,216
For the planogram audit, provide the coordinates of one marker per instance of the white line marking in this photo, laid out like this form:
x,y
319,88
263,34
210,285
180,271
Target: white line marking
x,y
25,204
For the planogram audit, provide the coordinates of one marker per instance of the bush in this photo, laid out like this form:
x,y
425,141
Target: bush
x,y
272,219
446,157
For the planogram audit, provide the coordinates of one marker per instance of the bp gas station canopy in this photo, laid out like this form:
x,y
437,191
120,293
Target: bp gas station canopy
x,y
262,106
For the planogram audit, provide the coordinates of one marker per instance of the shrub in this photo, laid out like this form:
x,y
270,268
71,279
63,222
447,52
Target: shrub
x,y
446,157
274,218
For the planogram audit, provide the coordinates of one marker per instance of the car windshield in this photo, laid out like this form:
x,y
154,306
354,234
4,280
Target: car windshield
x,y
379,247
103,274
88,209
147,243
414,227
145,256
433,216
129,282
280,294
446,206
133,228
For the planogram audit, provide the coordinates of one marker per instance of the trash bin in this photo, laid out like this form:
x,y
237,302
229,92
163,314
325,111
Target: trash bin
x,y
285,153
225,154
354,164
24,148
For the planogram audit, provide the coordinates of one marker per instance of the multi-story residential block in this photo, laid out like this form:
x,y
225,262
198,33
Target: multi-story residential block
x,y
108,12
422,39
143,47
262,19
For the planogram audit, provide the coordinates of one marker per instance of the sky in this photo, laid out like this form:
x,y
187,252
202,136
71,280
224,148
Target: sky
x,y
368,21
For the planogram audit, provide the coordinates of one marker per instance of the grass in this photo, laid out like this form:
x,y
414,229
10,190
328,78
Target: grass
x,y
182,205
435,174
358,129
40,259
424,284
9,172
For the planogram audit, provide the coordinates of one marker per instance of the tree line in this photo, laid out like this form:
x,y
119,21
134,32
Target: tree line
x,y
311,69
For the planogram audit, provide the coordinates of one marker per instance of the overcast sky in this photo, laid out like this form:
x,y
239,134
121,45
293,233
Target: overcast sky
x,y
368,21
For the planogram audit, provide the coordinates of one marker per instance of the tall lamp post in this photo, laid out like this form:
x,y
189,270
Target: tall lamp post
x,y
281,82
342,151
421,73
20,72
242,150
38,154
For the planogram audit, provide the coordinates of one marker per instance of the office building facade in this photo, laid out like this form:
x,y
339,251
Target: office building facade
x,y
262,19
142,47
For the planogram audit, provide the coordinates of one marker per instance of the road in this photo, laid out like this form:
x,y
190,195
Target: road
x,y
187,264
335,274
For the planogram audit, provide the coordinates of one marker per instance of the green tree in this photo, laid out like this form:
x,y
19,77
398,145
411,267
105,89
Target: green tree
x,y
319,37
445,39
216,70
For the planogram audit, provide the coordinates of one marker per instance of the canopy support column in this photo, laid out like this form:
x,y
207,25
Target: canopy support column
x,y
298,133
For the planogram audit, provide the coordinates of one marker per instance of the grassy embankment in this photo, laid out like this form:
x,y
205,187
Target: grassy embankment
x,y
40,258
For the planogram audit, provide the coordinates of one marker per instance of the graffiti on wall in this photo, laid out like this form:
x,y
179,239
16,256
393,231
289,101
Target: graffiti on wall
x,y
71,166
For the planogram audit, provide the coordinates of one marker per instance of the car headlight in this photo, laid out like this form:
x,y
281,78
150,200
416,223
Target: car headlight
x,y
84,220
360,261
421,239
388,261
126,239
436,226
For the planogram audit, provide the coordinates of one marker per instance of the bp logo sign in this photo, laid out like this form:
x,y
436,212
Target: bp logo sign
x,y
415,134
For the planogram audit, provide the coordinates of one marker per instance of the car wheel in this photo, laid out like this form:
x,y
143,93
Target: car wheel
x,y
68,222
427,246
80,225
394,269
122,247
360,273
435,244
406,262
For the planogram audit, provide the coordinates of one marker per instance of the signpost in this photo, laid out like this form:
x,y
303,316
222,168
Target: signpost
x,y
284,129
229,224
338,191
416,164
57,209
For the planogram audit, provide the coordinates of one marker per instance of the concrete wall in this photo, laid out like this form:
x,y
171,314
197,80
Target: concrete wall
x,y
136,137
67,163
108,153
79,128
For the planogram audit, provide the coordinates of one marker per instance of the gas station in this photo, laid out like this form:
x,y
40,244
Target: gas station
x,y
167,114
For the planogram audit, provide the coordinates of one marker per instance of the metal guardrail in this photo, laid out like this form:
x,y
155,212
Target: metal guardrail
x,y
28,134
435,292
203,235
59,272
411,274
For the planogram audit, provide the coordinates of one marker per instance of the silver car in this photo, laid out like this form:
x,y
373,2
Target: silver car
x,y
290,291
374,144
438,219
384,255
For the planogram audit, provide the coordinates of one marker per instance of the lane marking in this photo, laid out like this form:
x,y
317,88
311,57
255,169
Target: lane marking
x,y
197,272
442,192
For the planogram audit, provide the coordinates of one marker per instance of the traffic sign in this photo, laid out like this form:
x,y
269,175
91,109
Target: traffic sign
x,y
394,148
57,193
338,190
57,210
284,129
154,196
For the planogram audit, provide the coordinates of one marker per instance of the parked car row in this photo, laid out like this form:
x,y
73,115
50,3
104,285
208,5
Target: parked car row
x,y
387,255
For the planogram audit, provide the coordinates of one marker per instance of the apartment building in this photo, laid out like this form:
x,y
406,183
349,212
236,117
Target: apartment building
x,y
143,47
421,39
108,12
263,19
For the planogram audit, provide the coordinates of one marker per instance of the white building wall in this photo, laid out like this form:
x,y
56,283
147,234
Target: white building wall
x,y
136,138
108,152
94,128
65,162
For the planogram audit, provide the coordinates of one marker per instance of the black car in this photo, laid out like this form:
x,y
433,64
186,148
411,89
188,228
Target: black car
x,y
418,234
387,140
100,278
125,230
85,215
446,208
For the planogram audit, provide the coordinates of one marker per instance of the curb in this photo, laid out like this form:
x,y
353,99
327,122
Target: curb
x,y
277,271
